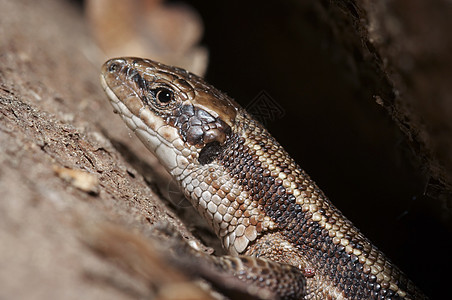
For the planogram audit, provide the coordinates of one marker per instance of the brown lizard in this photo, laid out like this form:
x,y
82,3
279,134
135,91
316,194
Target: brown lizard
x,y
282,233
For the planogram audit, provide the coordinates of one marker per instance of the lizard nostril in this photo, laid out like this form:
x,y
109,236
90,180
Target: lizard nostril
x,y
113,67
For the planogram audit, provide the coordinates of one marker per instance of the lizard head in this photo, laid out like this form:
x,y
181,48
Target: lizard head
x,y
171,110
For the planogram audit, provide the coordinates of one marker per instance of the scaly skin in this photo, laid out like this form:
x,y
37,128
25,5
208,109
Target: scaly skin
x,y
259,202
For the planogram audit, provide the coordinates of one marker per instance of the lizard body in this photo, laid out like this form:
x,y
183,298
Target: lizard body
x,y
258,201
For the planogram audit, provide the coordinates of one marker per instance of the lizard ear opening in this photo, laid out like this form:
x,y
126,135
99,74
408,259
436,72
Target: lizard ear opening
x,y
209,152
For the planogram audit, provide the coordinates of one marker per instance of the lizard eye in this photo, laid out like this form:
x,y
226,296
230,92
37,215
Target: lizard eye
x,y
163,95
162,98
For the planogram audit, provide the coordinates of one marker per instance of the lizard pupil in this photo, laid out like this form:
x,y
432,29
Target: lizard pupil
x,y
164,95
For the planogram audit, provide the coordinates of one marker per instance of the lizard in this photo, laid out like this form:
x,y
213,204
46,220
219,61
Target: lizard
x,y
280,230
